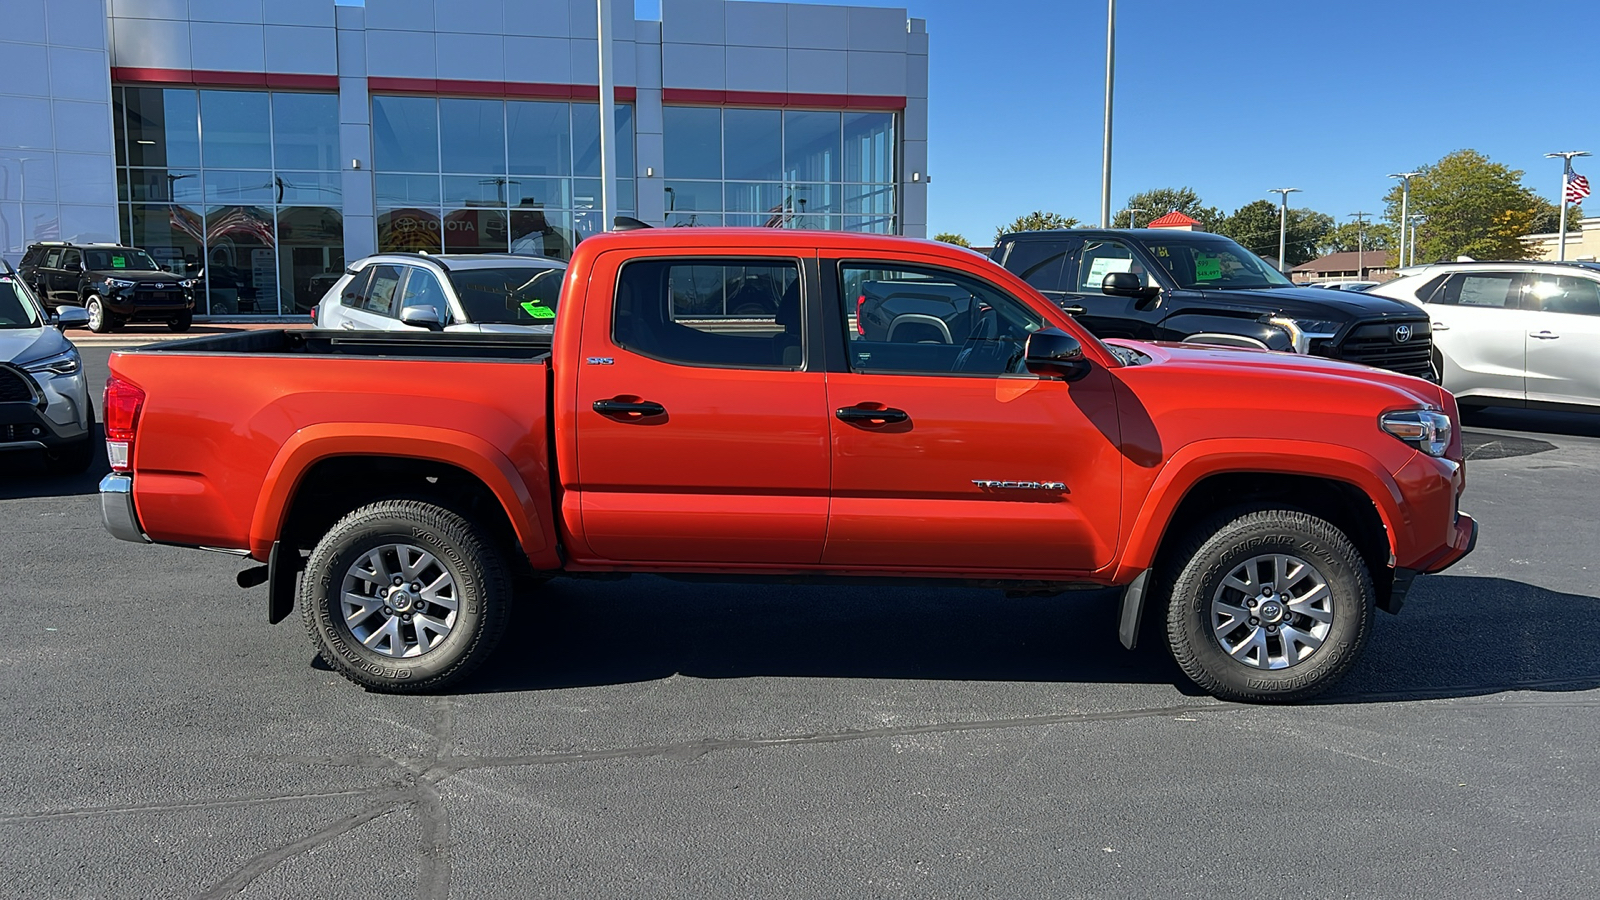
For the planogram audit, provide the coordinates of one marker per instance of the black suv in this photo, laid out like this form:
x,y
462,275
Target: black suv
x,y
114,284
1153,284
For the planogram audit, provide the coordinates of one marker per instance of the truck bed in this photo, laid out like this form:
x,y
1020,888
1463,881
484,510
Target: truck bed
x,y
410,345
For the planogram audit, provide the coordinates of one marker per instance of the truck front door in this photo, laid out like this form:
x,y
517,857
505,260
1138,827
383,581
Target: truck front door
x,y
948,454
702,433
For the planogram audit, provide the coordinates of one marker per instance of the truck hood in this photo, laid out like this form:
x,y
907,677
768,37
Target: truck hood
x,y
25,345
1311,373
1315,303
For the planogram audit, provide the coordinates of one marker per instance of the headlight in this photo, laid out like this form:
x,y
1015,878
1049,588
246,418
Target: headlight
x,y
119,283
1316,329
190,283
61,364
1426,429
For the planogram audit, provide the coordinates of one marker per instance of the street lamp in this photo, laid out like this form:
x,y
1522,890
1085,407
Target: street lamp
x,y
1105,152
1415,218
1405,200
1361,244
1133,218
1283,224
1566,172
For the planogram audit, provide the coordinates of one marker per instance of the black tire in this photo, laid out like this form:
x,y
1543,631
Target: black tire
x,y
483,595
100,319
1193,577
74,458
181,323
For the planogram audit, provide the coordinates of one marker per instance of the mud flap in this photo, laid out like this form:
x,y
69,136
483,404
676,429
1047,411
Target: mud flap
x,y
283,576
1132,610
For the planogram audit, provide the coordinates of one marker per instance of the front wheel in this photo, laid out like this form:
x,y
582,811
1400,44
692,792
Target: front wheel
x,y
180,323
1265,606
404,596
99,319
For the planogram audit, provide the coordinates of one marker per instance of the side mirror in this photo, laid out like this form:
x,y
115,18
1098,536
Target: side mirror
x,y
1052,353
1127,284
75,267
72,317
421,317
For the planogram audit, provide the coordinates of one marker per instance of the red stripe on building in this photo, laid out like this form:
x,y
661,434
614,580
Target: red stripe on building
x,y
207,78
782,99
513,89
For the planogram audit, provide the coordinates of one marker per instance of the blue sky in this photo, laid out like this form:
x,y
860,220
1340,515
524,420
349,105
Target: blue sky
x,y
1234,97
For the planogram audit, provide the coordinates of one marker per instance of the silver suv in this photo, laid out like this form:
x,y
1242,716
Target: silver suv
x,y
1511,333
44,394
452,292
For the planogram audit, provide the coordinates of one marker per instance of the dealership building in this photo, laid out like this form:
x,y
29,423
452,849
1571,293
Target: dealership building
x,y
264,143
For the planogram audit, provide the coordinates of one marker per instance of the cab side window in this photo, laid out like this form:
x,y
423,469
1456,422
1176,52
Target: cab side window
x,y
1497,290
1042,264
926,321
52,259
1100,258
355,293
423,290
1567,294
381,291
71,258
734,313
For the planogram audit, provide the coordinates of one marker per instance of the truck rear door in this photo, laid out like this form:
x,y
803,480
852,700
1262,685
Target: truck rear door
x,y
702,431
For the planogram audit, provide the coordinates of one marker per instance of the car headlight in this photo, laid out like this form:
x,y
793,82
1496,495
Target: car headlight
x,y
119,282
1317,328
190,283
66,363
1426,429
1303,331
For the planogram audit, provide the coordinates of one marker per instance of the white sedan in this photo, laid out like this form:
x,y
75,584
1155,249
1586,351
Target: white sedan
x,y
1511,334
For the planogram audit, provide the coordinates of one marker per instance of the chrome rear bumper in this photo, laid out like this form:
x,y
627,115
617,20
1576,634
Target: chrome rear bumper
x,y
116,508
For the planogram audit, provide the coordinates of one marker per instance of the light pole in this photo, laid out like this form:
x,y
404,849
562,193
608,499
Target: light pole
x,y
608,119
1105,152
1566,171
1283,225
1133,218
1405,200
1361,244
1414,220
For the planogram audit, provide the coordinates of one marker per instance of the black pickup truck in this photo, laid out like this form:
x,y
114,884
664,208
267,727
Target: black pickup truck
x,y
1153,284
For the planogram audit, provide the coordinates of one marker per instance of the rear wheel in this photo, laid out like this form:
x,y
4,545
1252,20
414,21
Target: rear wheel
x,y
404,596
100,320
1268,605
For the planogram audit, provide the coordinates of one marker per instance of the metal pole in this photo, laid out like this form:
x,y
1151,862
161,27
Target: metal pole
x,y
1105,153
1405,199
1361,244
1283,227
1566,170
608,122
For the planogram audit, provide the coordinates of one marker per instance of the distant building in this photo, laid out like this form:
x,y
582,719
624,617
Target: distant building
x,y
1177,221
1353,265
1583,245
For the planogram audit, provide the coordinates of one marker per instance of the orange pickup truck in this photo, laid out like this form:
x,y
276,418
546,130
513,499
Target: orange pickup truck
x,y
792,406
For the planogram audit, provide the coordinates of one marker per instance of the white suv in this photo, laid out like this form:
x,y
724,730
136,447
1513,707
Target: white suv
x,y
1511,333
458,292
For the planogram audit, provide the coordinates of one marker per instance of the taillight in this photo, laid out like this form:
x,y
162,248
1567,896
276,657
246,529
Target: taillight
x,y
123,401
314,315
860,302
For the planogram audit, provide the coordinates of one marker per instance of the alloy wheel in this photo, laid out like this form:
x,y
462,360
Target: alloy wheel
x,y
1272,611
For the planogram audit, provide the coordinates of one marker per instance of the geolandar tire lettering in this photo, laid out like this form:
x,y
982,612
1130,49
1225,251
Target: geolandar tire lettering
x,y
1266,605
404,596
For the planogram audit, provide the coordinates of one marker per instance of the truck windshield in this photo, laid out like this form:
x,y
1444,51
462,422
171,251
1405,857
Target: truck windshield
x,y
509,295
1197,262
122,258
16,307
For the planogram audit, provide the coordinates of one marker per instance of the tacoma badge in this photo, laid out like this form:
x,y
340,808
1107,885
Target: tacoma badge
x,y
1020,485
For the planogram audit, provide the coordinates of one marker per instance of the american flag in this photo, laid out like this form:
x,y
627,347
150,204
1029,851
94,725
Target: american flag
x,y
1577,187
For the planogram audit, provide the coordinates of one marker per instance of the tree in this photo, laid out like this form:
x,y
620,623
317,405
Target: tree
x,y
1255,225
1349,237
1038,220
1549,218
1471,207
1161,201
950,237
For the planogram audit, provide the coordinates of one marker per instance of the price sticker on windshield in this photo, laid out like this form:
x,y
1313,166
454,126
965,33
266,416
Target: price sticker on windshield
x,y
119,262
533,309
1207,268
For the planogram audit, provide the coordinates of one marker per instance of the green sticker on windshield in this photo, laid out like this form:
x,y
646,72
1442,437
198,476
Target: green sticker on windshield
x,y
1207,268
532,308
119,262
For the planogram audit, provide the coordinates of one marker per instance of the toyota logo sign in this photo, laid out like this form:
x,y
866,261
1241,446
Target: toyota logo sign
x,y
1402,333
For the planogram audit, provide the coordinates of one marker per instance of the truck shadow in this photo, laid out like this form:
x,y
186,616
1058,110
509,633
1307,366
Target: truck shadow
x,y
23,475
1458,636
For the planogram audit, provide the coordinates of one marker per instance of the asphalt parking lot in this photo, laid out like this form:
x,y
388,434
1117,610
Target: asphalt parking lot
x,y
645,738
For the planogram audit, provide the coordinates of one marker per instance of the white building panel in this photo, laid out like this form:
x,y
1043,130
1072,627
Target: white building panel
x,y
28,175
539,60
818,27
875,74
27,124
352,53
302,49
481,17
151,44
317,13
400,15
244,12
87,223
917,76
24,21
174,10
77,74
82,127
757,24
70,23
354,108
916,119
471,57
876,29
695,66
692,22
400,54
817,71
24,70
85,178
758,69
647,64
546,19
219,47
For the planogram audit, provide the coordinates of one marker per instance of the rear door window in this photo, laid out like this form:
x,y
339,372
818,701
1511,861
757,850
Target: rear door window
x,y
381,291
423,290
1567,294
71,258
1496,290
1042,264
52,259
735,313
1101,258
355,293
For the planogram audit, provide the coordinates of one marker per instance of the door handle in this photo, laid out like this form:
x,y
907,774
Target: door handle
x,y
348,326
1073,310
1440,326
1543,335
629,408
857,415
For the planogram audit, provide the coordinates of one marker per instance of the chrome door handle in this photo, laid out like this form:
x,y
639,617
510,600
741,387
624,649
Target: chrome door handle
x,y
1440,326
1543,335
348,326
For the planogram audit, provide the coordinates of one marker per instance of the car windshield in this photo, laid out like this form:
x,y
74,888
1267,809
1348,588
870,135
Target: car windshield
x,y
17,309
1197,262
509,295
122,258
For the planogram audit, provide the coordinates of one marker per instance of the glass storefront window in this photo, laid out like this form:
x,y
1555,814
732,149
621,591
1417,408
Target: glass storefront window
x,y
400,190
409,229
308,187
692,142
310,254
237,132
869,147
811,146
174,236
241,260
475,190
405,134
586,140
693,195
753,144
539,138
162,127
163,185
305,131
539,232
476,230
222,186
473,136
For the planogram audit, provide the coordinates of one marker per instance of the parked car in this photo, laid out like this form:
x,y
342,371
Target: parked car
x,y
1511,333
1344,285
1260,504
485,292
113,283
44,395
1161,284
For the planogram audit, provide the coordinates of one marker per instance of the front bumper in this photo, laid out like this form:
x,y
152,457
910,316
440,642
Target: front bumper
x,y
26,426
116,509
131,305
